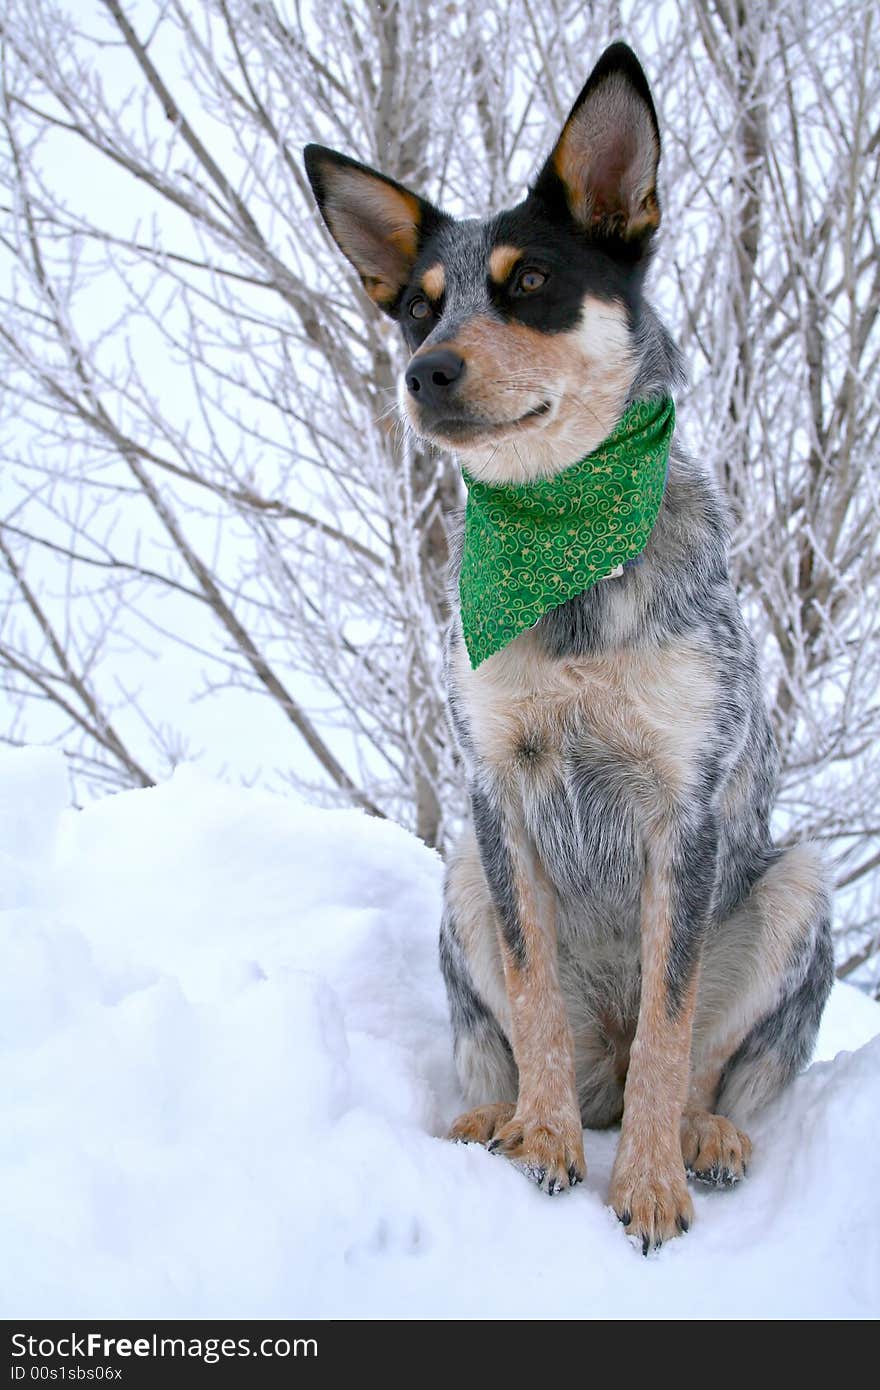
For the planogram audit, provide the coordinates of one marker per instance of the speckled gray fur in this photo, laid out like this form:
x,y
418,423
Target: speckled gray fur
x,y
589,831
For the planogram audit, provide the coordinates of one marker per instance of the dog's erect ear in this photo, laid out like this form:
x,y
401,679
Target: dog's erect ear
x,y
605,161
376,223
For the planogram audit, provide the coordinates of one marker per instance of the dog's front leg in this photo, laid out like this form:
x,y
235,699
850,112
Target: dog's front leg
x,y
648,1184
544,1136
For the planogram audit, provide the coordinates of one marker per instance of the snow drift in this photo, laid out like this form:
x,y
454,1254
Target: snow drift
x,y
225,1064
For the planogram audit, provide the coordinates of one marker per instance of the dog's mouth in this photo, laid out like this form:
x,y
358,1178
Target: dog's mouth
x,y
461,430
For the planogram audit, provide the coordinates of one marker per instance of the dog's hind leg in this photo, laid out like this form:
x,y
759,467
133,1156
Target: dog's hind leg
x,y
470,960
767,972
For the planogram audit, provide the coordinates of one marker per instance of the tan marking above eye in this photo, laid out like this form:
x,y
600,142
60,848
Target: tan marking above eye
x,y
434,281
502,261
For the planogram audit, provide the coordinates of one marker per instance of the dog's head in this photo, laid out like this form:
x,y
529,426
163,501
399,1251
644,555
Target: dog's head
x,y
521,327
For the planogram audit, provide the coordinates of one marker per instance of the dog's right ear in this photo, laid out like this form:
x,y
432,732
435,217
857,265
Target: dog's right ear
x,y
604,165
377,224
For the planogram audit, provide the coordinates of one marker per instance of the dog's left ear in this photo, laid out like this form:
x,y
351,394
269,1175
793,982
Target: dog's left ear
x,y
605,161
377,224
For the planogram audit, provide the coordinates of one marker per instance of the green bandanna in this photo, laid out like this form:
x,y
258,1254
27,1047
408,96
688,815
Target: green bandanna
x,y
529,547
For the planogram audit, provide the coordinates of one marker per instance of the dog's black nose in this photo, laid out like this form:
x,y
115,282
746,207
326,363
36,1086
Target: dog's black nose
x,y
429,377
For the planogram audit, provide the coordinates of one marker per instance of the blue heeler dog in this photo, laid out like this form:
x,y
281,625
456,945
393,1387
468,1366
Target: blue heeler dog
x,y
621,941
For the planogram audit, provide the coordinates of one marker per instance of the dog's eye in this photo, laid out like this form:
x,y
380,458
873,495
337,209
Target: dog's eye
x,y
419,308
528,281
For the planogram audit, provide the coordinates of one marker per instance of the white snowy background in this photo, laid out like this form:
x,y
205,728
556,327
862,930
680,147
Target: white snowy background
x,y
225,1071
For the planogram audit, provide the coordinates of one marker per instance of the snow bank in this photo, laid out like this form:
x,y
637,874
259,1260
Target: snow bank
x,y
225,1062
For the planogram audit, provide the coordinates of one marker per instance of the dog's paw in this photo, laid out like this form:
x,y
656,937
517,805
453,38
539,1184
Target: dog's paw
x,y
653,1206
714,1150
480,1126
548,1149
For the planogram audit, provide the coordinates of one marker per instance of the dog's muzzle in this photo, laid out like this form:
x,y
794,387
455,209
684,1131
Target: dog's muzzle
x,y
432,377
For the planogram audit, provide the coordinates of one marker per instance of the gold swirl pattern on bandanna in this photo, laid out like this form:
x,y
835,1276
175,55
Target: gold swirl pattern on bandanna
x,y
530,547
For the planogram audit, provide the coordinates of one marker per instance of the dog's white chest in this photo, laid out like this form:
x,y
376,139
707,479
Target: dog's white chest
x,y
649,707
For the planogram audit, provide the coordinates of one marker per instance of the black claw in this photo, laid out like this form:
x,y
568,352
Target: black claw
x,y
646,1244
553,1187
493,1146
625,1218
573,1175
683,1224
